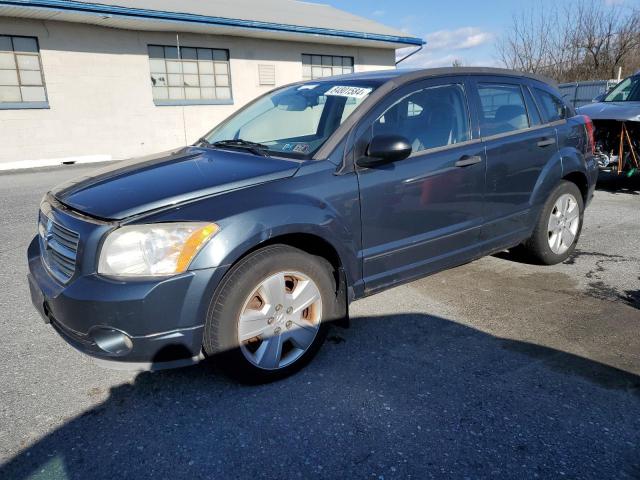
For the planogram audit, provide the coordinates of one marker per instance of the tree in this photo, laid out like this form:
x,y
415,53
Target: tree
x,y
583,40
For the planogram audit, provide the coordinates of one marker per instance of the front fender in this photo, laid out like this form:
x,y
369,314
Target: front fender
x,y
245,231
315,202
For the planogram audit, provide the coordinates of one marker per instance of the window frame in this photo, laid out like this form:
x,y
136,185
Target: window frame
x,y
159,102
22,105
311,65
507,82
523,83
365,124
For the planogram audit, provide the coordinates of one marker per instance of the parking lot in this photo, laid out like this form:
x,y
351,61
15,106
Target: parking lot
x,y
497,368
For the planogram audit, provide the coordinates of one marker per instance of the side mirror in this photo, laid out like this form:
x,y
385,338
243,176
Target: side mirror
x,y
385,149
599,98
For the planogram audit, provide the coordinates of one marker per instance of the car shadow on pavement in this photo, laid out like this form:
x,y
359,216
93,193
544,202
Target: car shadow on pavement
x,y
391,397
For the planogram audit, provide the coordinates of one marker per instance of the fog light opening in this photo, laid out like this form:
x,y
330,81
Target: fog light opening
x,y
114,342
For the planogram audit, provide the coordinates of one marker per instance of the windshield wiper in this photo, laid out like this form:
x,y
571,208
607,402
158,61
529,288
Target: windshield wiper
x,y
204,142
253,147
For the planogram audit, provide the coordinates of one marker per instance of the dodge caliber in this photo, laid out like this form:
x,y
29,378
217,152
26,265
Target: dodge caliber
x,y
247,245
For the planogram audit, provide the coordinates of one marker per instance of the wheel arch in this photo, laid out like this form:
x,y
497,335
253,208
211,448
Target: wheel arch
x,y
314,245
307,242
580,180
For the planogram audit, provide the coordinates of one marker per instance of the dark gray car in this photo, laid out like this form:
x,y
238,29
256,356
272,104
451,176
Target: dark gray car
x,y
245,246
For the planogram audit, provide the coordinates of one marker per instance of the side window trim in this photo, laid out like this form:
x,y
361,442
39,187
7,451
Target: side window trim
x,y
516,132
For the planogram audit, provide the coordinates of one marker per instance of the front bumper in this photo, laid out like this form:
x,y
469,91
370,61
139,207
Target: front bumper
x,y
141,322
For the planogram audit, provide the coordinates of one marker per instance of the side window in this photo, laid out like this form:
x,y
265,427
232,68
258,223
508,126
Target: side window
x,y
503,109
429,118
551,107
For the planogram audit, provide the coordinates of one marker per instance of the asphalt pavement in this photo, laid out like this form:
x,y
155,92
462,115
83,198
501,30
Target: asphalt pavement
x,y
495,369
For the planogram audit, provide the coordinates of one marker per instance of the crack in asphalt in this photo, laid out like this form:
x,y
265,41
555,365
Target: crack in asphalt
x,y
598,288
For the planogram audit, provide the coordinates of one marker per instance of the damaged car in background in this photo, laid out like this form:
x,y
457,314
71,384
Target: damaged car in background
x,y
616,119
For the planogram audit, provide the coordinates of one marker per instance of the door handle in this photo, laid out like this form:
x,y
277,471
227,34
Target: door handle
x,y
467,160
545,142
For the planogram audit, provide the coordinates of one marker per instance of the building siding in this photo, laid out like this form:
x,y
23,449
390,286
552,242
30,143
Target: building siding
x,y
100,98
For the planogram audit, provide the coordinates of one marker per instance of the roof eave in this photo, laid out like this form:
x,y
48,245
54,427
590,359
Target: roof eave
x,y
108,15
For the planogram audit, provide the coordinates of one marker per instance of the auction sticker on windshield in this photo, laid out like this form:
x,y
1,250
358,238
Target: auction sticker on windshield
x,y
352,92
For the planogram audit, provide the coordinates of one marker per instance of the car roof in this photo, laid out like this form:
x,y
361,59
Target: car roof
x,y
403,75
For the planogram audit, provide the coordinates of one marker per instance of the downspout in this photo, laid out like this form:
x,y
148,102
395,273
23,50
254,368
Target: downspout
x,y
184,119
410,54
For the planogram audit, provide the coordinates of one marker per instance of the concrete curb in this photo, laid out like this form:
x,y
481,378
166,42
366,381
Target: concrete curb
x,y
52,162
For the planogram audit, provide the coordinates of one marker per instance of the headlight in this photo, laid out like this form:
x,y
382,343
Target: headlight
x,y
159,249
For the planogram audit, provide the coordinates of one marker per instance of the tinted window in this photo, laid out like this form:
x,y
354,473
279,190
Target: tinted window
x,y
551,107
503,109
429,118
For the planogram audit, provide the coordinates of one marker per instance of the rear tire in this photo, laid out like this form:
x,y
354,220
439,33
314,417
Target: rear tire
x,y
559,226
267,319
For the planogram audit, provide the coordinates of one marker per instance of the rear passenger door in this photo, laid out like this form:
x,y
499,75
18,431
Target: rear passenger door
x,y
518,147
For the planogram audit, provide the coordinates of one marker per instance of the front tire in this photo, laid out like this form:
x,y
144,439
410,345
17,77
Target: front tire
x,y
559,226
267,319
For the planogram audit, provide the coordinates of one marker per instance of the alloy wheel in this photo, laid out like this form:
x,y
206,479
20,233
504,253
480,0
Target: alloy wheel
x,y
279,320
564,222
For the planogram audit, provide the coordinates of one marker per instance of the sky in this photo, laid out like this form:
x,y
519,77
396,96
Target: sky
x,y
463,30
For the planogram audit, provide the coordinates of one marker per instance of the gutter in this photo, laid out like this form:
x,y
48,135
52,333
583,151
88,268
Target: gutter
x,y
114,10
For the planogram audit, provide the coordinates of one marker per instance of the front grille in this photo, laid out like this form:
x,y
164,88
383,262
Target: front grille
x,y
58,247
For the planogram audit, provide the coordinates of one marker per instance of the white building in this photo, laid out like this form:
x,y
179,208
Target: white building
x,y
84,81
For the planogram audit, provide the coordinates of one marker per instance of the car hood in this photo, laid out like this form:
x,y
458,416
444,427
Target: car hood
x,y
137,186
622,111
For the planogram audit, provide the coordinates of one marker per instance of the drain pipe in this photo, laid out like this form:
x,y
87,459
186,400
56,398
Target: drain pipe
x,y
410,54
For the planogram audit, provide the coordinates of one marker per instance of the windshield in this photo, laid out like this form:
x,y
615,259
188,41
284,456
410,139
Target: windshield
x,y
294,121
626,91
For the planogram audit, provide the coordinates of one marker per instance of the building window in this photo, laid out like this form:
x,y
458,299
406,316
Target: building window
x,y
21,79
318,66
189,76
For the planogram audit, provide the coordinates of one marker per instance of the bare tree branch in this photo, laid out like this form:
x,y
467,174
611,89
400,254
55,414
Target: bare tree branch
x,y
583,40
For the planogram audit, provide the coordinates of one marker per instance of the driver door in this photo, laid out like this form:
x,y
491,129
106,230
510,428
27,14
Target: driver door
x,y
423,213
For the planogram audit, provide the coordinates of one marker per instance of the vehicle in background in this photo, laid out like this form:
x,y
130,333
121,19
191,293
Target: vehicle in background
x,y
247,245
616,118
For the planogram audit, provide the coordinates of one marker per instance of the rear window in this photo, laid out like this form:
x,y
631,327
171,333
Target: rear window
x,y
551,107
503,109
